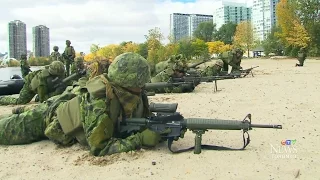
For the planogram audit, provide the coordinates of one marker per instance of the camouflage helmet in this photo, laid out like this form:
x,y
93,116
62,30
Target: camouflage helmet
x,y
68,42
179,66
55,48
219,63
238,50
97,68
129,70
179,56
302,49
56,68
23,56
79,62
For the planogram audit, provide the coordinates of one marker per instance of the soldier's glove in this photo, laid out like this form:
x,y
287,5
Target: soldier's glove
x,y
150,138
18,110
182,132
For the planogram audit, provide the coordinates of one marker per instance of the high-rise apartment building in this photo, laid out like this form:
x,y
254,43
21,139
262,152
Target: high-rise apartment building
x,y
41,41
183,25
17,39
225,12
263,17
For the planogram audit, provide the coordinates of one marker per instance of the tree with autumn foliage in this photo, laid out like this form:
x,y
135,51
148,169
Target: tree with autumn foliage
x,y
154,39
308,12
299,37
217,47
292,33
244,37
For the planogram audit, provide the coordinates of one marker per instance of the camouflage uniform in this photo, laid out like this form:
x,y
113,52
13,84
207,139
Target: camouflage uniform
x,y
98,67
302,54
38,82
161,66
78,65
166,75
90,116
232,58
213,70
69,54
55,55
25,68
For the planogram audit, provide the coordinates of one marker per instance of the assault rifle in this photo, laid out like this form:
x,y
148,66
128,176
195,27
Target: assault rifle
x,y
197,64
166,117
198,79
63,83
67,57
191,68
159,87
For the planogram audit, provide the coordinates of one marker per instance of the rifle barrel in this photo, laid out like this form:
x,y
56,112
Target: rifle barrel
x,y
274,126
203,124
150,86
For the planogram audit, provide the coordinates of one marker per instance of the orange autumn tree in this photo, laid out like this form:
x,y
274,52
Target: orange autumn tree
x,y
217,47
292,31
244,37
299,36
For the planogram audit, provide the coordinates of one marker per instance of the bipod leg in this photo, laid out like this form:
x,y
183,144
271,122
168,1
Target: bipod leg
x,y
215,86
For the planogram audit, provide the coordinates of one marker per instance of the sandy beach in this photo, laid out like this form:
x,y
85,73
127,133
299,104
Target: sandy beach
x,y
279,93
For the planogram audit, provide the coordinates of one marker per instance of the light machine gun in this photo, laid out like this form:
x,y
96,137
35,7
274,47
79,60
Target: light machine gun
x,y
198,79
167,117
245,72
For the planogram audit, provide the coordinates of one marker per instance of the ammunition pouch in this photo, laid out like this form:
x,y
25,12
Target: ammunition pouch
x,y
68,115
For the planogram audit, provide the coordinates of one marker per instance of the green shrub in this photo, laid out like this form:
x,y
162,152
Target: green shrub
x,y
13,63
39,61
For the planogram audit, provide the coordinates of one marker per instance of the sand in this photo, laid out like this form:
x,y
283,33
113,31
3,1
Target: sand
x,y
279,93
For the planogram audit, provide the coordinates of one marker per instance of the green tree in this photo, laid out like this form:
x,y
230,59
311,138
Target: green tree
x,y
308,12
94,48
185,47
200,48
153,40
143,50
226,33
205,31
272,44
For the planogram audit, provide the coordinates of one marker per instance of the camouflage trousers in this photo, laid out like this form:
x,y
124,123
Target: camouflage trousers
x,y
301,61
25,96
210,71
225,66
31,126
69,66
41,123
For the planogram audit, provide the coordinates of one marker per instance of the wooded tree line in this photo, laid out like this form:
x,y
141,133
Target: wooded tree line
x,y
297,25
205,42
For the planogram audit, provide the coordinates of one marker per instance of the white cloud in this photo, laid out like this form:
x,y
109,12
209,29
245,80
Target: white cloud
x,y
95,21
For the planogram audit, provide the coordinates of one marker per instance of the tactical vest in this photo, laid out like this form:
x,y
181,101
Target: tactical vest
x,y
38,76
301,55
161,66
68,114
69,51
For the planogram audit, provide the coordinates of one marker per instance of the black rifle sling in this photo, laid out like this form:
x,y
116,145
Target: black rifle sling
x,y
212,147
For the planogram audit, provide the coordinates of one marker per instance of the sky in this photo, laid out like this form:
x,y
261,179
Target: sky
x,y
103,22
